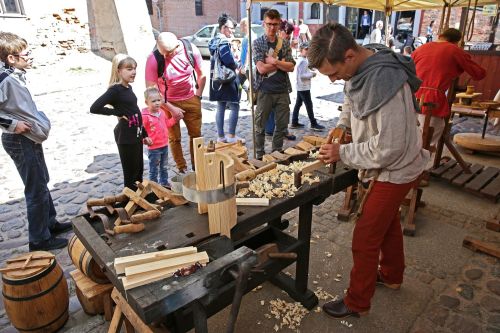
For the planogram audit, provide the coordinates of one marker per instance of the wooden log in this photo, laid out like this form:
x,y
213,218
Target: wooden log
x,y
122,262
183,261
107,200
477,245
201,177
146,216
128,228
252,201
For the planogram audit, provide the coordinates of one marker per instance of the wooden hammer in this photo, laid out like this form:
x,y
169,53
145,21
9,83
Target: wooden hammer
x,y
251,174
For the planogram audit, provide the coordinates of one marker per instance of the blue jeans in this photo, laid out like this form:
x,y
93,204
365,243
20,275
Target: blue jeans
x,y
158,163
270,123
30,163
233,117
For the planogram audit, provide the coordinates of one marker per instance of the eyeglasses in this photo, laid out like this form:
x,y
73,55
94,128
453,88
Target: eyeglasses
x,y
272,25
24,56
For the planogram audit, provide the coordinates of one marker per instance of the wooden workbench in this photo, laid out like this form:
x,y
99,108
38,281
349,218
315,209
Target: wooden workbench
x,y
183,226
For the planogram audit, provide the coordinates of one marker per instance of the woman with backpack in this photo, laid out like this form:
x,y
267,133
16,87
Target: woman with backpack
x,y
225,91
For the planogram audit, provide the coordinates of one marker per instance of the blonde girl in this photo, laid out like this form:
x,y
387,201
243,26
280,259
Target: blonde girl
x,y
129,132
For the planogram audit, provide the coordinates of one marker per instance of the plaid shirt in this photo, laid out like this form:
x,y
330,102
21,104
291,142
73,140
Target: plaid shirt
x,y
259,52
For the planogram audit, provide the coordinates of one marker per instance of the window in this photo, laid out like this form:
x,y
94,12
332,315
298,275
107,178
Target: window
x,y
11,7
205,33
198,7
315,11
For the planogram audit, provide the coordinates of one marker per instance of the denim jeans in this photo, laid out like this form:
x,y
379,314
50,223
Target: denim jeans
x,y
233,117
158,163
303,97
30,163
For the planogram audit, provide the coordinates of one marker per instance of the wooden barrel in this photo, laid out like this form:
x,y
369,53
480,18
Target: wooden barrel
x,y
83,261
35,293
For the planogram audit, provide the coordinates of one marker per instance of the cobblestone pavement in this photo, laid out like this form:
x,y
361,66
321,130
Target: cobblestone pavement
x,y
447,288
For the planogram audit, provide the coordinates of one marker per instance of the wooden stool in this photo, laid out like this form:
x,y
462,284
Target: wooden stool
x,y
124,313
95,298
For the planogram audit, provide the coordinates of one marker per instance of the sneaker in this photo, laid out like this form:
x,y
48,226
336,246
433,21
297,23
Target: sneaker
x,y
290,137
222,140
50,244
235,139
59,228
317,127
297,125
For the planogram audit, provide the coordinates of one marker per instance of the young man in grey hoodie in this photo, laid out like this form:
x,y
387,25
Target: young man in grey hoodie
x,y
24,129
387,149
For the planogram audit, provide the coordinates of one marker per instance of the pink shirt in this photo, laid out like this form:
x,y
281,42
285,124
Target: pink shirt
x,y
178,72
157,127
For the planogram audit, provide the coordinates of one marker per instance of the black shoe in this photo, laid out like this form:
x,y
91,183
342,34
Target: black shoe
x,y
338,309
290,137
317,127
380,281
297,125
50,244
59,228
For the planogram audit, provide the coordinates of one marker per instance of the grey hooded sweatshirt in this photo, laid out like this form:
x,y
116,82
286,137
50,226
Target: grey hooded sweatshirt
x,y
17,104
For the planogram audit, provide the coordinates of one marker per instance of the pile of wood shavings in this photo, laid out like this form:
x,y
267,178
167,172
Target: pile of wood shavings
x,y
324,295
277,183
291,314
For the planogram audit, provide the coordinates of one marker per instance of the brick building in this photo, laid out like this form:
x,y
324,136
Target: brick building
x,y
186,17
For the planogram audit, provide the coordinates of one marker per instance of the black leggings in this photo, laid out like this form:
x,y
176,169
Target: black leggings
x,y
132,164
303,96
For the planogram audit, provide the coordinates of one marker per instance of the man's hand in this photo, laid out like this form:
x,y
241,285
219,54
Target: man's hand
x,y
147,141
329,153
22,127
175,111
271,60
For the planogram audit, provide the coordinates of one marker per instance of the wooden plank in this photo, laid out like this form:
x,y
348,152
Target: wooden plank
x,y
492,190
482,179
122,262
184,260
312,166
297,153
453,172
493,225
465,177
252,201
256,163
199,161
443,167
305,146
140,201
477,245
125,309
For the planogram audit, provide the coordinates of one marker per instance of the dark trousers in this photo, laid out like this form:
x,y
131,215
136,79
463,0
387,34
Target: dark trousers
x,y
30,163
303,97
377,240
132,164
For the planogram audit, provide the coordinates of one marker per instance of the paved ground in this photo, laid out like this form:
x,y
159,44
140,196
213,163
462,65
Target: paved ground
x,y
447,288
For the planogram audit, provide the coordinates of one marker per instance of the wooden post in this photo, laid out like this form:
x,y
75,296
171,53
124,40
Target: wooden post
x,y
199,152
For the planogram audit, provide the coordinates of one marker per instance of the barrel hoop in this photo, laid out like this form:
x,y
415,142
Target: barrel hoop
x,y
30,279
80,262
29,298
40,327
71,243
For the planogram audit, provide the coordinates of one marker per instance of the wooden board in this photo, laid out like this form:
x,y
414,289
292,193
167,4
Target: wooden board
x,y
492,190
477,245
305,146
252,201
123,262
443,167
482,179
89,288
454,172
182,261
465,177
199,152
473,141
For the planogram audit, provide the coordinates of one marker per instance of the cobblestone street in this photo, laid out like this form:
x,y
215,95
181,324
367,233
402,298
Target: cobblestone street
x,y
447,288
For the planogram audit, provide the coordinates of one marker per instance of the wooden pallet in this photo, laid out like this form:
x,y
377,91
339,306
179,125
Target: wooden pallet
x,y
483,181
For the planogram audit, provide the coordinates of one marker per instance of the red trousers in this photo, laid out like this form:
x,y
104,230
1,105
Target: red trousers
x,y
377,240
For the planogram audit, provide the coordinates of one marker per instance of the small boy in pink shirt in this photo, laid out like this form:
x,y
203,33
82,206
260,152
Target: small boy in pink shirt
x,y
157,124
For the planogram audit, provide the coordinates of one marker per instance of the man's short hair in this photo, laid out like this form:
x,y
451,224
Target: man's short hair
x,y
11,44
330,42
223,19
168,40
272,14
407,49
451,35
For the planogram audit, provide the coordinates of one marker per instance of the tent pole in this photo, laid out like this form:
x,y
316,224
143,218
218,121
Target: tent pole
x,y
250,72
441,23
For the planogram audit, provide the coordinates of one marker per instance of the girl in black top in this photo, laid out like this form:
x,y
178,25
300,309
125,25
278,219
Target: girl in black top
x,y
119,100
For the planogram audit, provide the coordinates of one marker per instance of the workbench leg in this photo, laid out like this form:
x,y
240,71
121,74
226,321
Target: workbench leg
x,y
297,289
108,307
128,326
199,317
116,322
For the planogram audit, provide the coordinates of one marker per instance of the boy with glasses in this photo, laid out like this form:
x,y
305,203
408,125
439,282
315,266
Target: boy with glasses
x,y
25,128
273,59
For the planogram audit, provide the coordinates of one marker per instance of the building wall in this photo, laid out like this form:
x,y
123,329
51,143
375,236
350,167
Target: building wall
x,y
179,15
482,24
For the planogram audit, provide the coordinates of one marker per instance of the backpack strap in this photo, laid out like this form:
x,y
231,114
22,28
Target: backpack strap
x,y
160,62
3,76
188,50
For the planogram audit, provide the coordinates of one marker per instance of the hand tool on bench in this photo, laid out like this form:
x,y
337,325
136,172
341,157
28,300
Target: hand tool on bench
x,y
251,174
271,251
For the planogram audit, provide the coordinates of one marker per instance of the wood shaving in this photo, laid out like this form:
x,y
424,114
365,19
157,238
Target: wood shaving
x,y
262,302
323,295
318,309
257,288
328,254
346,323
290,315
